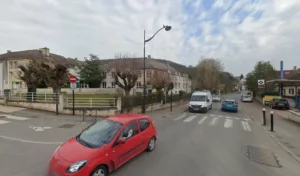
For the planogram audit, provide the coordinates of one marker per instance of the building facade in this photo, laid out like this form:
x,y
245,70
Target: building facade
x,y
10,62
181,81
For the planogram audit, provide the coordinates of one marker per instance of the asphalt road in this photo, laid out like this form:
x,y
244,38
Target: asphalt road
x,y
212,144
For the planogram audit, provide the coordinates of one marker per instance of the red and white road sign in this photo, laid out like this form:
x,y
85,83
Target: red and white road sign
x,y
72,79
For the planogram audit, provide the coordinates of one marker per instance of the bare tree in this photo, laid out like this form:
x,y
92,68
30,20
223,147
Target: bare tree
x,y
208,71
160,79
126,72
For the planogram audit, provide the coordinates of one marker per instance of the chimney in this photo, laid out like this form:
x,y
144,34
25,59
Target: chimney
x,y
8,51
45,51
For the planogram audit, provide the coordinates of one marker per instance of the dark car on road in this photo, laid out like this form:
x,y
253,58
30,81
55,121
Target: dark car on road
x,y
279,104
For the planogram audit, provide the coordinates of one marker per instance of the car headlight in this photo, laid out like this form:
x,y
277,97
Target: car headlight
x,y
76,166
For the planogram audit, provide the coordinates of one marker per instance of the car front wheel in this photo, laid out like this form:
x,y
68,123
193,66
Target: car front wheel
x,y
151,144
100,171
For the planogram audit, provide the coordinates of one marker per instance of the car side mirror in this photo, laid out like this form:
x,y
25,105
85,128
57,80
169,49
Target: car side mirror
x,y
121,141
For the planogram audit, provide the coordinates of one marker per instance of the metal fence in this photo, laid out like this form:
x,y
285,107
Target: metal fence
x,y
92,102
34,97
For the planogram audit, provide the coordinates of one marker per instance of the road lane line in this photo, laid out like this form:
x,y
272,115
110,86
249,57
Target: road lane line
x,y
16,118
180,117
28,141
190,118
202,120
246,126
4,122
214,121
237,118
228,123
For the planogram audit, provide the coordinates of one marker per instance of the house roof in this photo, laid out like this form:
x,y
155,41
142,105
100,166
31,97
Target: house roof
x,y
287,73
37,55
138,63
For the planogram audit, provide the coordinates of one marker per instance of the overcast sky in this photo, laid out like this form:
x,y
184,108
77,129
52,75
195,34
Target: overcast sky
x,y
238,32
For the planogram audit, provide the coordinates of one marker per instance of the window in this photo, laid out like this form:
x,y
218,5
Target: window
x,y
103,84
291,91
198,98
144,124
138,84
104,74
149,73
140,74
130,130
113,85
113,74
10,64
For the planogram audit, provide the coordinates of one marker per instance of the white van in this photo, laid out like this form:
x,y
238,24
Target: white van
x,y
200,101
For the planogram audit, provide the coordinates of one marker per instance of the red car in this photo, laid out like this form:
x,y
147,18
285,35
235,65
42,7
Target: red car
x,y
104,146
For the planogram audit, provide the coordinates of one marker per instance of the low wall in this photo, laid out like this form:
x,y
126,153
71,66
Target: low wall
x,y
294,116
88,111
34,105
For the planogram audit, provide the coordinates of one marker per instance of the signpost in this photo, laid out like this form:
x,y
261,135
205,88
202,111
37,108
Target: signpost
x,y
72,80
261,83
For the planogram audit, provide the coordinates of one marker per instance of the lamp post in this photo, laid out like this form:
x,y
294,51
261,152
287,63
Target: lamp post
x,y
167,28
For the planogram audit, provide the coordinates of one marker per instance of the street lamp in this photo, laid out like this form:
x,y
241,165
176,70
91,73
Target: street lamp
x,y
167,28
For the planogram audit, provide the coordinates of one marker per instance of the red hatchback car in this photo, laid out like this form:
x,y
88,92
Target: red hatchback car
x,y
104,146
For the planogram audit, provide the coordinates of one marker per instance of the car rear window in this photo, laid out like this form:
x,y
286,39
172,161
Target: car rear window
x,y
229,102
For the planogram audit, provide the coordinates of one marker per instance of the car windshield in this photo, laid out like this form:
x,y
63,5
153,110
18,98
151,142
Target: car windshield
x,y
100,133
198,98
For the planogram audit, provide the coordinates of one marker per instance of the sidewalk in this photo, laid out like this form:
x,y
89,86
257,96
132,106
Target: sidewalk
x,y
286,132
32,113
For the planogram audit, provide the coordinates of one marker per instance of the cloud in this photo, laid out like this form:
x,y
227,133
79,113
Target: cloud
x,y
238,32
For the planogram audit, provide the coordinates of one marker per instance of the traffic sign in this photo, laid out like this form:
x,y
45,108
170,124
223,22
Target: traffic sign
x,y
73,86
72,79
261,83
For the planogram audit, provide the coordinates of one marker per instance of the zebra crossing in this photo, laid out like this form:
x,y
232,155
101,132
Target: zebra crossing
x,y
212,120
6,119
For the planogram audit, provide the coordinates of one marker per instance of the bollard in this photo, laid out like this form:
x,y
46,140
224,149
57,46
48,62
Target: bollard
x,y
264,117
272,121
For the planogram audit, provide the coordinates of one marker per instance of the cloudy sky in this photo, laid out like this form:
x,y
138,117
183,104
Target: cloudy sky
x,y
238,32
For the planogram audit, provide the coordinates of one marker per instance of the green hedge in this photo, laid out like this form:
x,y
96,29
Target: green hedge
x,y
129,102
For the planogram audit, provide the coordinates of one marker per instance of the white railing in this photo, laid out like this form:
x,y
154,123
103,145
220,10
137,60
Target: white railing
x,y
92,102
34,97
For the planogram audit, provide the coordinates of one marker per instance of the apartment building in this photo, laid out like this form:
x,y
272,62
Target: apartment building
x,y
181,81
10,62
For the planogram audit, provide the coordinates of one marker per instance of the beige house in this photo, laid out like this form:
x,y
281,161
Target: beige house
x,y
10,62
181,81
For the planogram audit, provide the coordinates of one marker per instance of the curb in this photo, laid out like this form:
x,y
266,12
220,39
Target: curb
x,y
275,139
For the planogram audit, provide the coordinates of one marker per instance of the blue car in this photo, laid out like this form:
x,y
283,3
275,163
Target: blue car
x,y
229,105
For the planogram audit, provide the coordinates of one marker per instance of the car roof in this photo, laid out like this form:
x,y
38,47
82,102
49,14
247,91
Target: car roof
x,y
126,118
200,93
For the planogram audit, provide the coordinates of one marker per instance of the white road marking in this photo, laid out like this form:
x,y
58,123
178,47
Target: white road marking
x,y
228,123
212,115
228,117
180,117
16,118
202,120
246,119
190,118
4,122
237,118
28,141
220,116
214,121
246,126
